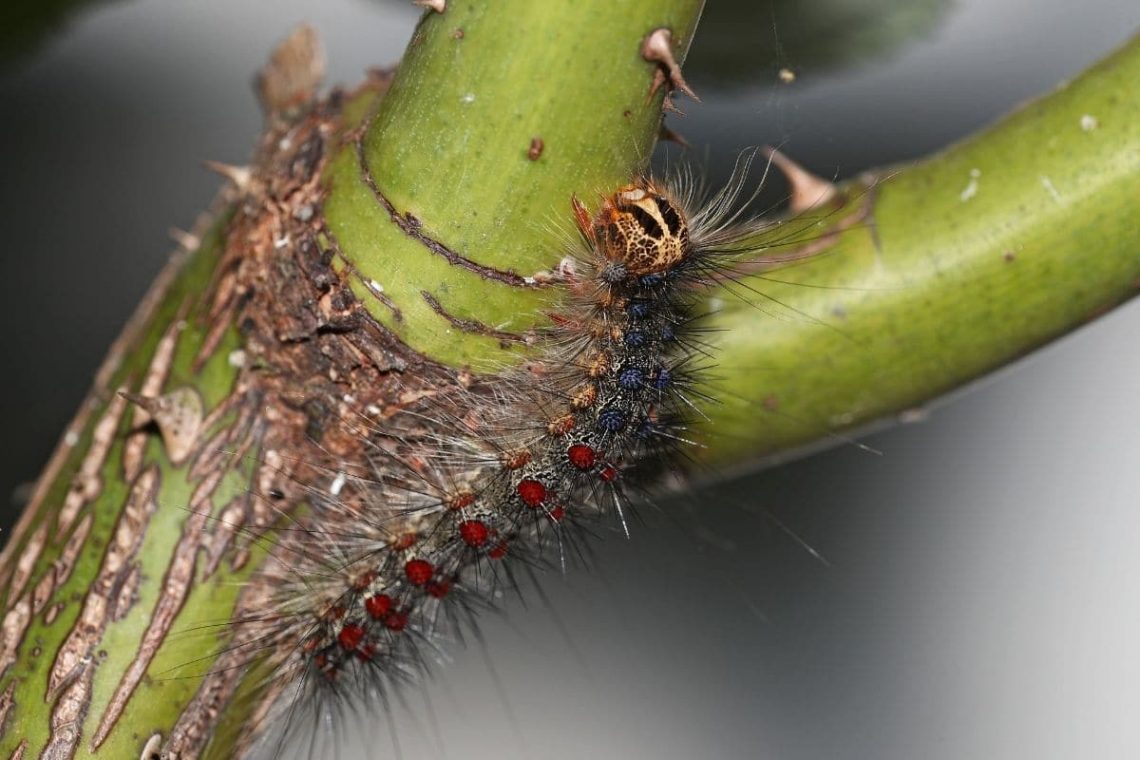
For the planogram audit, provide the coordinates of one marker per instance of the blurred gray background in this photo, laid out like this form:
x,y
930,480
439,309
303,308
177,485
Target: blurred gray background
x,y
977,594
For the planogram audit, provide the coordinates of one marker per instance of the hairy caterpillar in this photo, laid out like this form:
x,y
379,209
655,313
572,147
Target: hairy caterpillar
x,y
476,473
469,486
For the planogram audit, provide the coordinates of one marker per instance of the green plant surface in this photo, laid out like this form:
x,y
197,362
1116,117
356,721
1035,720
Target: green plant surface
x,y
450,146
958,265
208,602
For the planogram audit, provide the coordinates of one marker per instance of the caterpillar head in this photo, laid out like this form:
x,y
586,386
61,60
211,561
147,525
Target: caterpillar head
x,y
639,230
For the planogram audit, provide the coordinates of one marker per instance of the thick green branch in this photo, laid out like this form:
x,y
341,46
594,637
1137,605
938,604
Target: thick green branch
x,y
952,268
498,114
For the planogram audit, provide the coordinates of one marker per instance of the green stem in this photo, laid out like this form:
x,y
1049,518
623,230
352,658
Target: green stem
x,y
450,146
956,266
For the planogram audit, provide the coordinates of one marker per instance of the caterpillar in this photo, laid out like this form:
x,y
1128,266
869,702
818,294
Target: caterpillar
x,y
423,506
465,488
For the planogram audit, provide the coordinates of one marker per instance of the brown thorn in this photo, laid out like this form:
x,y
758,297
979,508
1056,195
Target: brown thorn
x,y
178,415
865,213
240,176
187,241
657,48
152,747
664,133
808,190
668,105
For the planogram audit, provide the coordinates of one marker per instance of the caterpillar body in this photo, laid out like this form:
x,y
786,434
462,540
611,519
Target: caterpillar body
x,y
469,485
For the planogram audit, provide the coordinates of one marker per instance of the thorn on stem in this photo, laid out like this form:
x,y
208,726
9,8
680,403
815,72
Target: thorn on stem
x,y
808,191
240,176
668,105
152,747
664,133
657,48
187,241
439,6
177,414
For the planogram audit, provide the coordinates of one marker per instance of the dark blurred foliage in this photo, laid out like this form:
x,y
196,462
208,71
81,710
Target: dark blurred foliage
x,y
25,24
739,37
